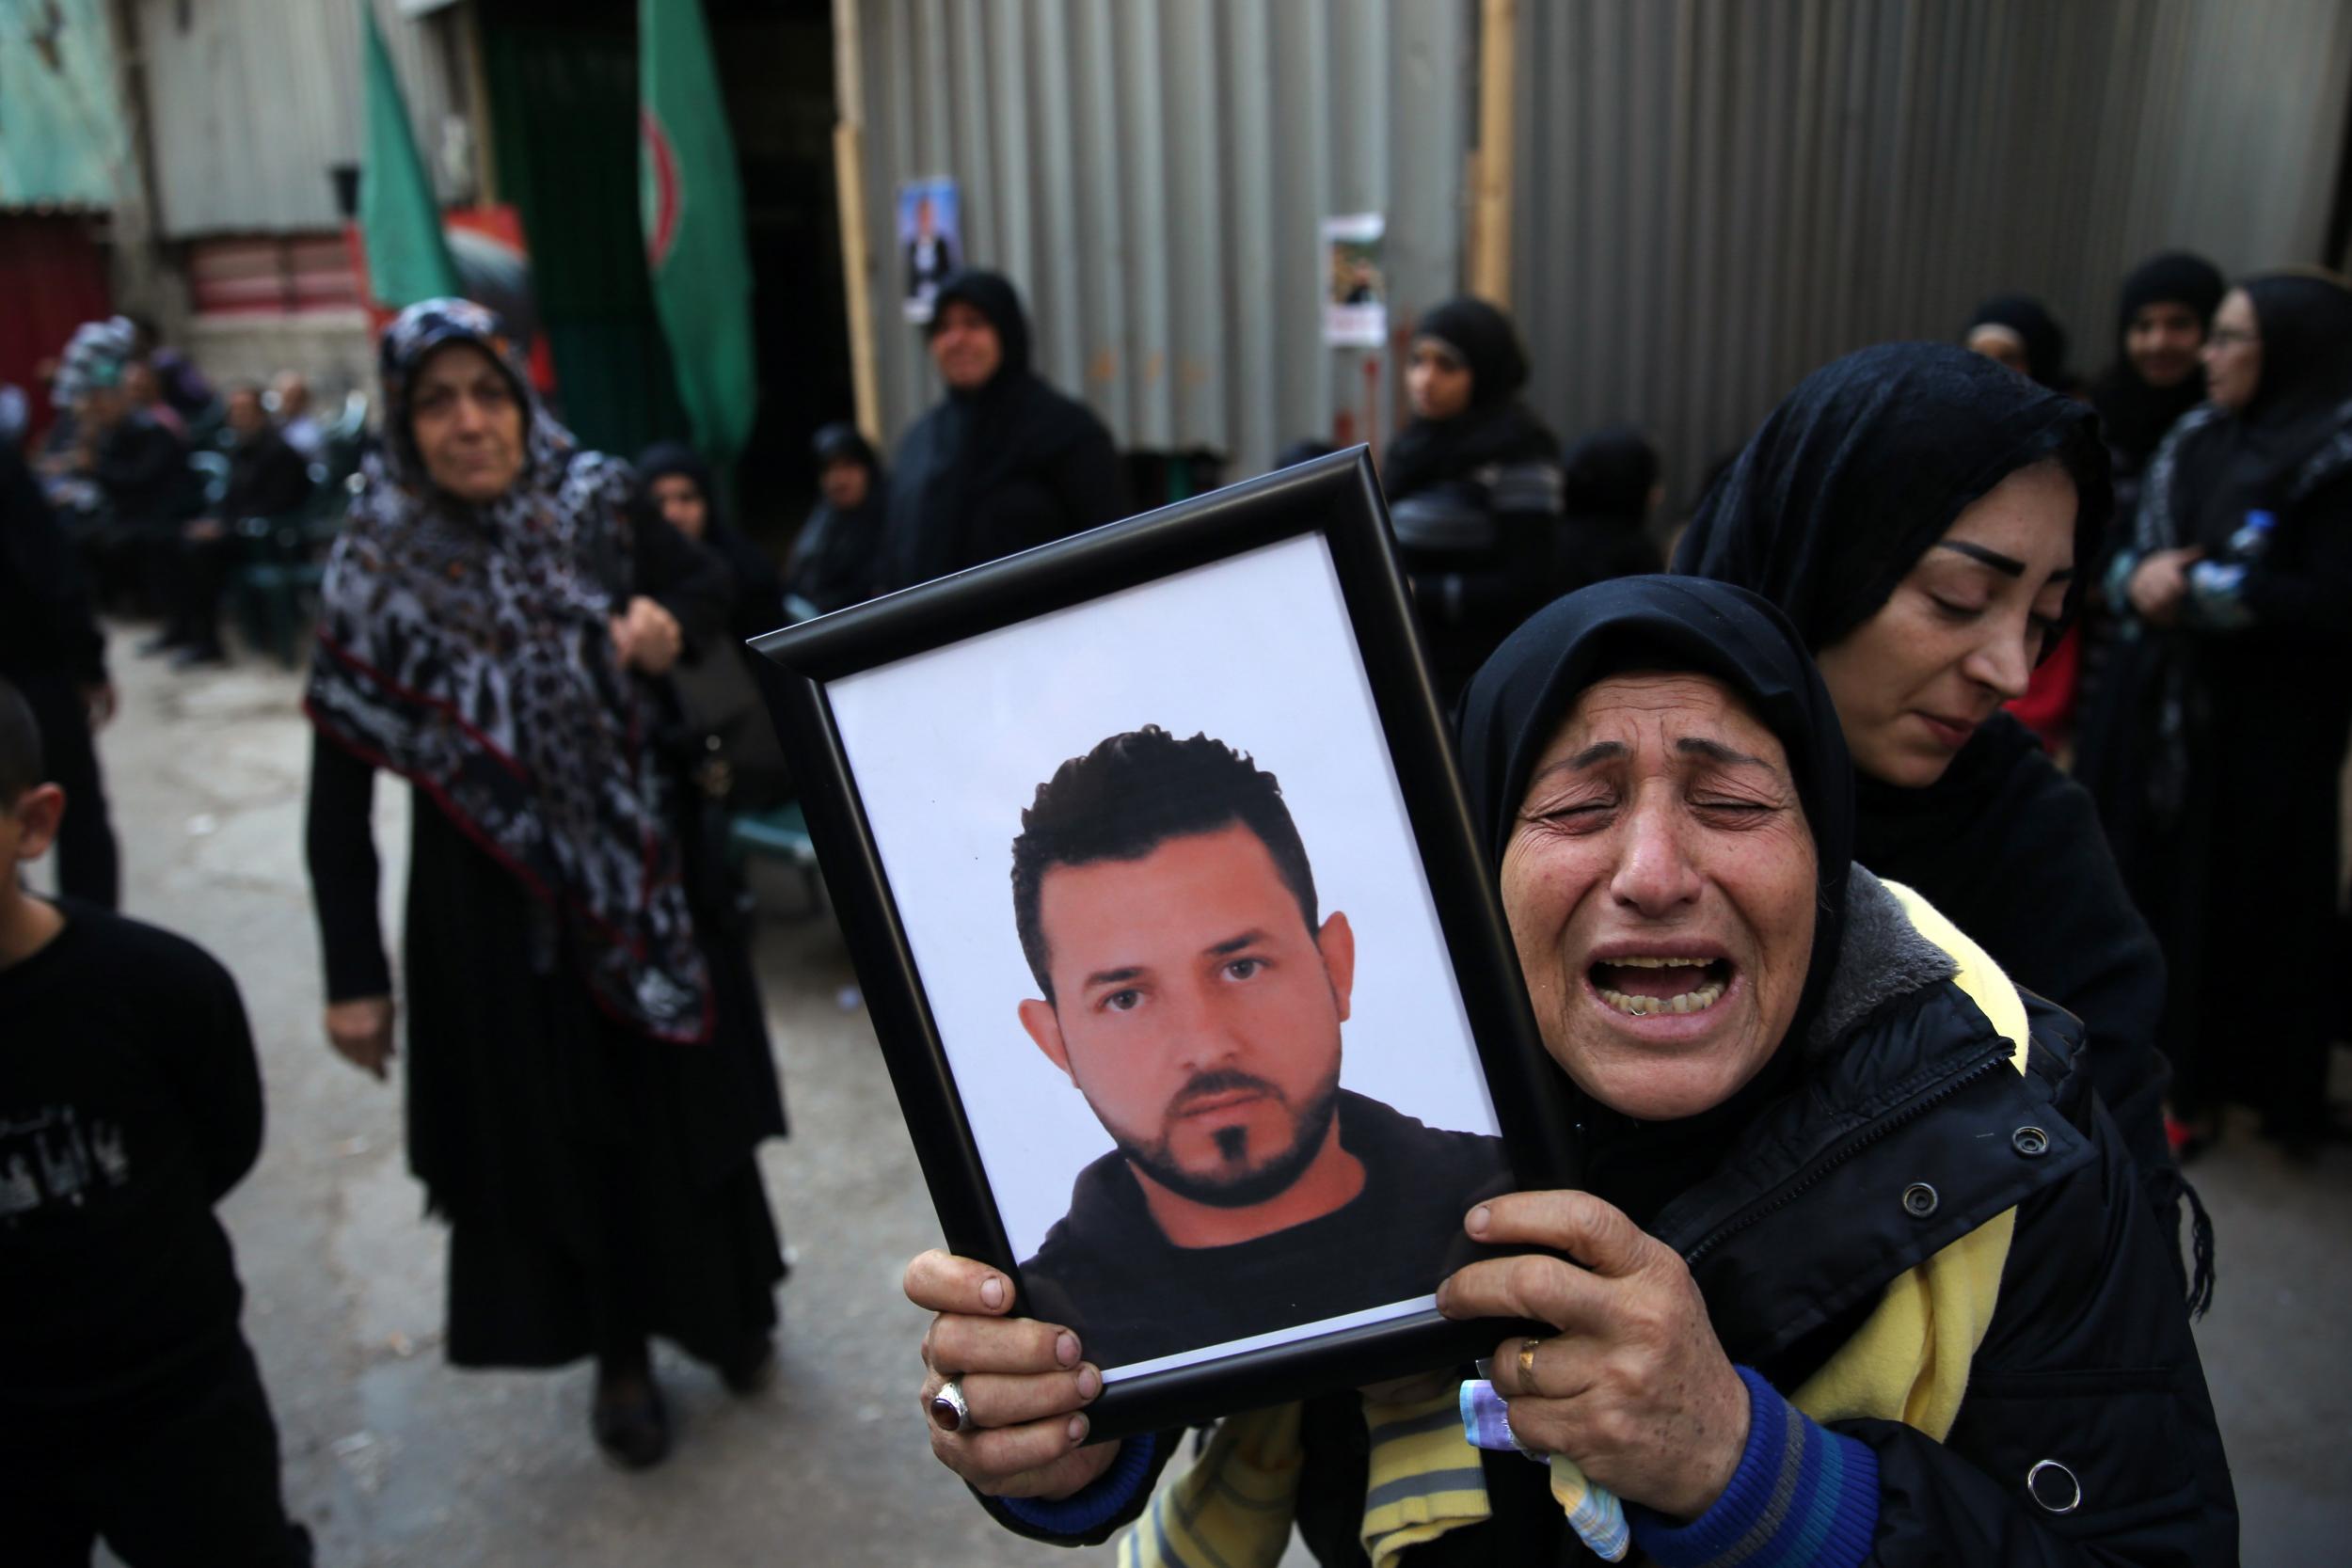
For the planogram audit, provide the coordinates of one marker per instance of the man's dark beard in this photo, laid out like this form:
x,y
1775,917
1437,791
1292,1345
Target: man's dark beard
x,y
1253,1187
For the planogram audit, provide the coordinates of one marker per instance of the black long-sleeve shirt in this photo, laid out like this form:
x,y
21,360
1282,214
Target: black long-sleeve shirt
x,y
130,1103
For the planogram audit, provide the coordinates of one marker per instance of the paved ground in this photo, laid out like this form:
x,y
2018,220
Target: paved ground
x,y
395,1458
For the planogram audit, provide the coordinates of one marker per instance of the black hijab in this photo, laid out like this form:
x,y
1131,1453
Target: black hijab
x,y
1495,428
1610,473
1863,468
1518,702
2135,413
665,459
2044,339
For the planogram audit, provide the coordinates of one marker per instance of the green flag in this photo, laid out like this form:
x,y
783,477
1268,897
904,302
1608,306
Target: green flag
x,y
692,203
407,257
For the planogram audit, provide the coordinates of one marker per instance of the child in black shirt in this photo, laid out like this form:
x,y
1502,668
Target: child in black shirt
x,y
130,1103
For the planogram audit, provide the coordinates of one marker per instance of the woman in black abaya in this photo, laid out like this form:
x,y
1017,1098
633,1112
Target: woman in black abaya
x,y
1473,489
2218,743
588,1069
1920,514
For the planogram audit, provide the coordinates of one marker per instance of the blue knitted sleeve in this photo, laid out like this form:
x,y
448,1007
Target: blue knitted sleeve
x,y
1099,1501
1803,1496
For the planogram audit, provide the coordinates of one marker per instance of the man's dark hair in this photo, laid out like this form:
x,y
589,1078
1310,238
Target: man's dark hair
x,y
21,766
1130,795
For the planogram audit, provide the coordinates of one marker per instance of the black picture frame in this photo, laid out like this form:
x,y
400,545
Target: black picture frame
x,y
1339,497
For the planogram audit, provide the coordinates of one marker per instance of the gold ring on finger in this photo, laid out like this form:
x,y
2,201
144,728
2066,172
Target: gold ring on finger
x,y
1527,1363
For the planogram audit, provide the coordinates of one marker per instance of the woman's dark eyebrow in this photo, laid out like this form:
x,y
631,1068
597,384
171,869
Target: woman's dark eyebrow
x,y
2009,566
1599,751
1716,751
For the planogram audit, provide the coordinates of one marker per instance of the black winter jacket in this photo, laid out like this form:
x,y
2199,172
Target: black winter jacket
x,y
2089,1359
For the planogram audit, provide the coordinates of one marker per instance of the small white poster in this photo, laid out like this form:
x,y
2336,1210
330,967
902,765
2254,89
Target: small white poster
x,y
1356,298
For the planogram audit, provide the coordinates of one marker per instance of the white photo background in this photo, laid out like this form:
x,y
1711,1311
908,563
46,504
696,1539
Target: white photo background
x,y
947,749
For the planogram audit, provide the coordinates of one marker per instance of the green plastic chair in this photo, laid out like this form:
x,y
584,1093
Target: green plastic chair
x,y
780,834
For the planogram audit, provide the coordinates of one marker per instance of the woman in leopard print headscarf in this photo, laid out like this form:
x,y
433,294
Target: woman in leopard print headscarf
x,y
588,1069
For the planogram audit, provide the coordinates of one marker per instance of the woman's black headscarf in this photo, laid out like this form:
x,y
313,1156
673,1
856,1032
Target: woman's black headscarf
x,y
1518,702
1863,468
2044,339
1495,428
666,459
2135,413
1609,473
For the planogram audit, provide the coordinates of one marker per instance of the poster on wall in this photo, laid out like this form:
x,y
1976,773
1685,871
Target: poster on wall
x,y
1355,288
931,236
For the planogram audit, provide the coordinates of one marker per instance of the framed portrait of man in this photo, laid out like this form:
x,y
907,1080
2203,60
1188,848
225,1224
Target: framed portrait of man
x,y
1198,1000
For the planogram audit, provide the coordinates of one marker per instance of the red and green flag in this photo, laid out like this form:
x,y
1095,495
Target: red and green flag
x,y
400,223
691,202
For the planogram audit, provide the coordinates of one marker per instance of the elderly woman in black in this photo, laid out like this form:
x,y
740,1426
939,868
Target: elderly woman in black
x,y
588,1069
1474,488
2218,739
1857,1274
1924,518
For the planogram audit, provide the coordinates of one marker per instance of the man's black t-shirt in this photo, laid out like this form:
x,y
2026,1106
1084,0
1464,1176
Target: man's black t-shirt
x,y
129,1102
1106,1270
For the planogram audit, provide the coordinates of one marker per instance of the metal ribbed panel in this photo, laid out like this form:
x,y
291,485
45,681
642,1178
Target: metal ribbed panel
x,y
1713,197
1153,172
251,101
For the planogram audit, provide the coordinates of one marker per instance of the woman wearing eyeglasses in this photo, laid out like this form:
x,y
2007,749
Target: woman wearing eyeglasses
x,y
2216,744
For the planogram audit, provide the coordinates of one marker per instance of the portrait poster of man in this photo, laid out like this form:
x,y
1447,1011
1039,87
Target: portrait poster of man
x,y
1355,286
931,240
1157,876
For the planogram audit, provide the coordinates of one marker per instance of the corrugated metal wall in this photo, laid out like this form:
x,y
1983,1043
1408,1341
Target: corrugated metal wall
x,y
251,101
1152,174
1713,197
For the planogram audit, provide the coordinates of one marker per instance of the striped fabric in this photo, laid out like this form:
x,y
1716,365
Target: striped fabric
x,y
1424,1477
1233,1508
1803,1496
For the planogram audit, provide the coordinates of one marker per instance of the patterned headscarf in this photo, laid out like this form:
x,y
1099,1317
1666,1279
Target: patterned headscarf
x,y
94,358
468,649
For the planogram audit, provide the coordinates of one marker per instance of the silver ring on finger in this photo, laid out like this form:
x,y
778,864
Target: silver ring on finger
x,y
947,1409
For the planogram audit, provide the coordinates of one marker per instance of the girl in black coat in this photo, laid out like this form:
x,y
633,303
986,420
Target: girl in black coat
x,y
2215,748
1474,488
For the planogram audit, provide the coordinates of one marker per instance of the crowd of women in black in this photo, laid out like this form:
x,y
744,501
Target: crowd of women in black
x,y
1913,538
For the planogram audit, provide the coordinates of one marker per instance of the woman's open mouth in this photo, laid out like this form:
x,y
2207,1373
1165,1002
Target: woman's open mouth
x,y
1644,986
